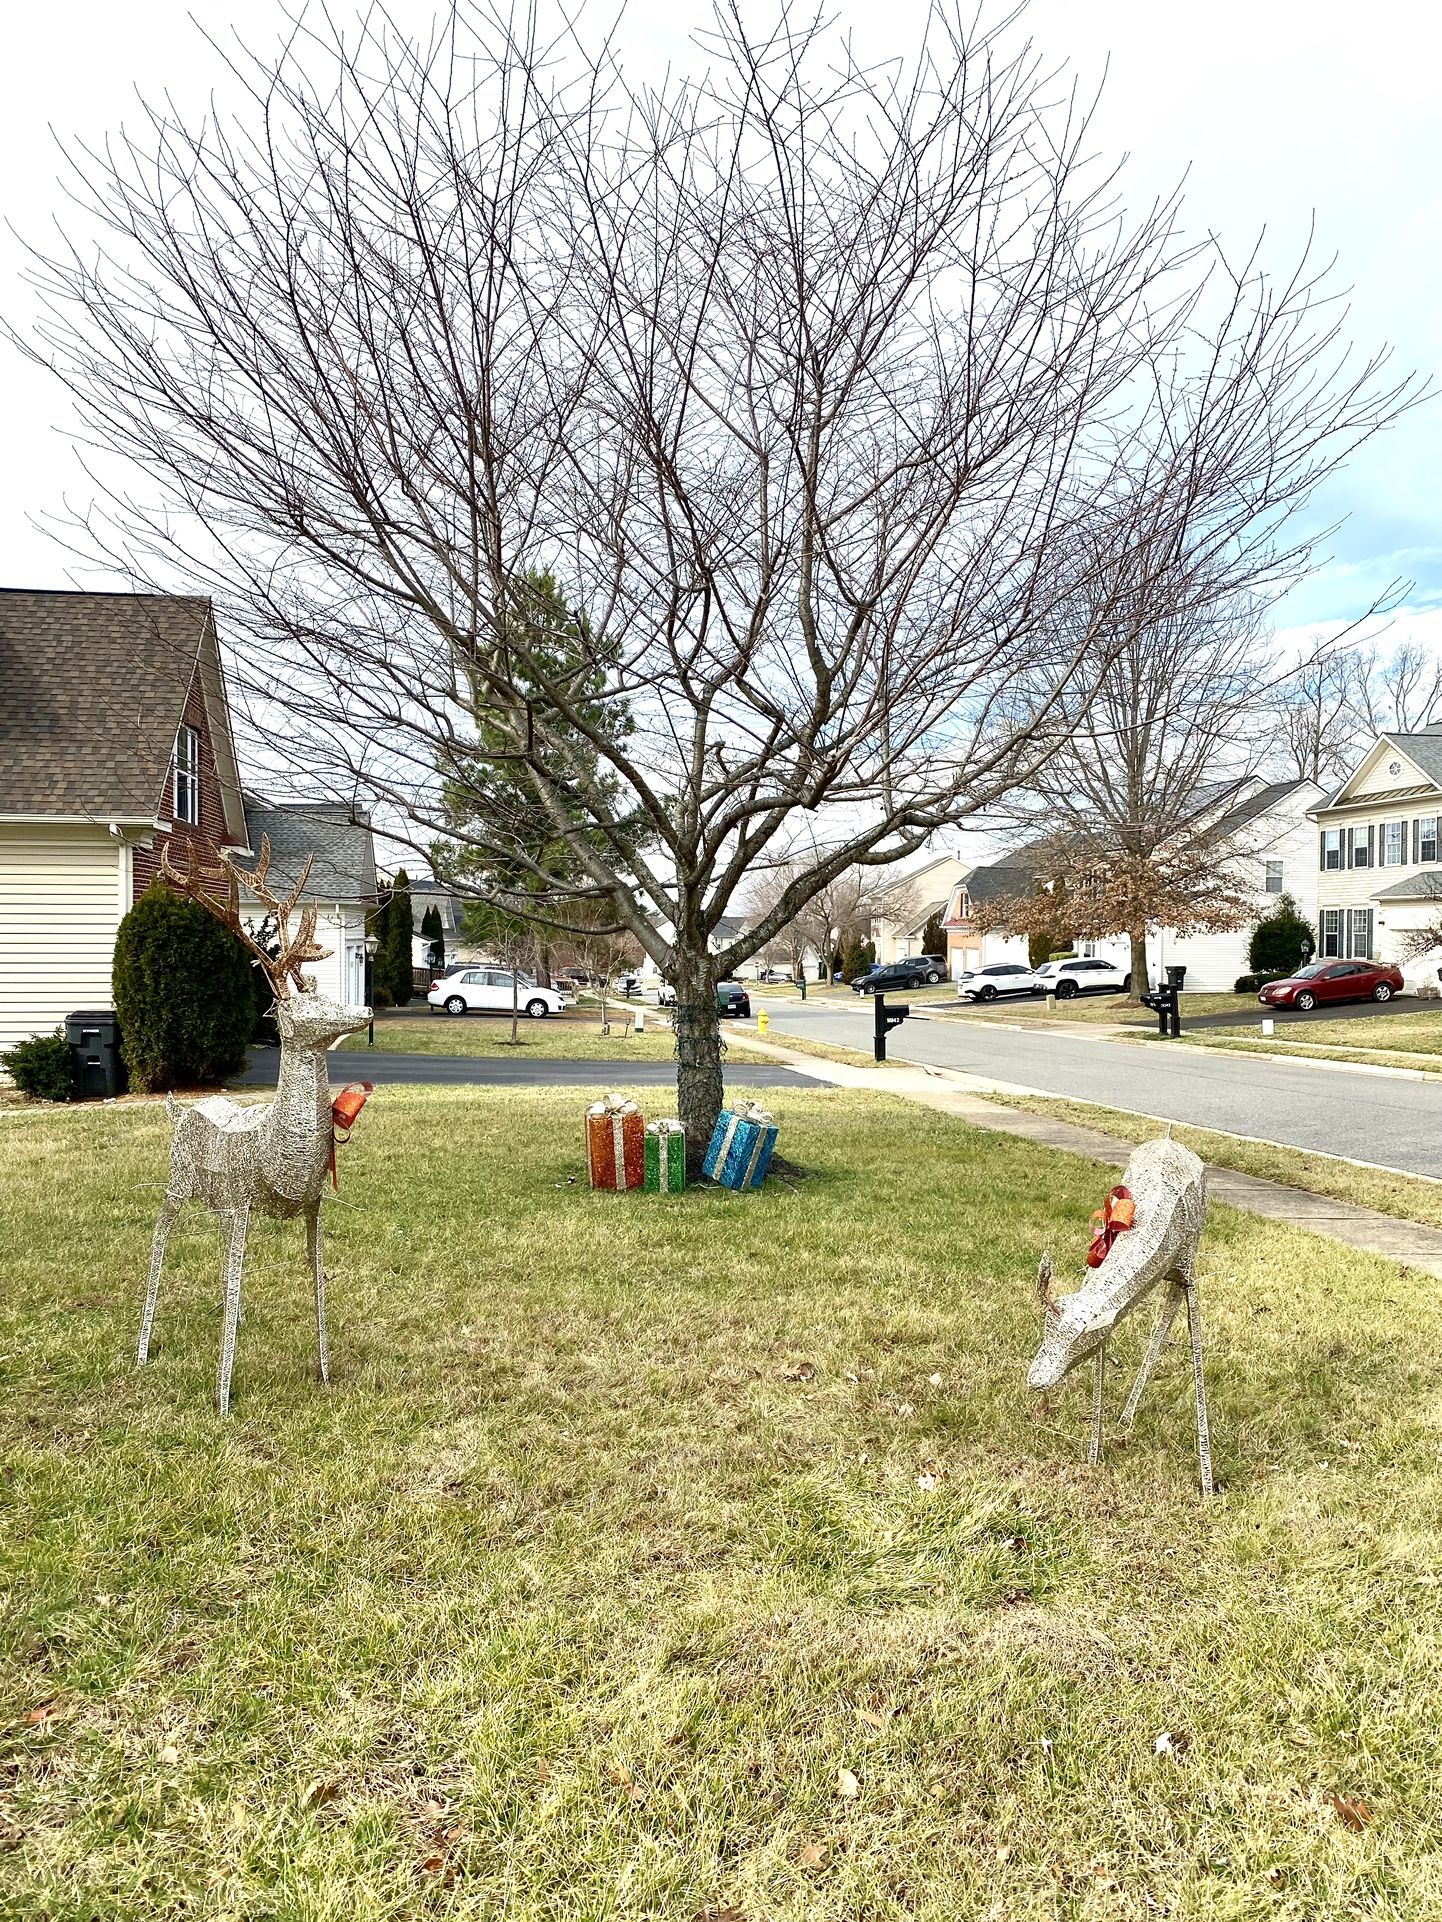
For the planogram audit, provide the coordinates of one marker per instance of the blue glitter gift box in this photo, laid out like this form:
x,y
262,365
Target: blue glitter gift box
x,y
739,1152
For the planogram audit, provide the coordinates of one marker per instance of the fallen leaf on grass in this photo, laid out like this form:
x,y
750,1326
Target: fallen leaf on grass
x,y
1350,1810
872,1721
319,1791
847,1785
928,1481
42,1715
627,1783
169,1756
799,1371
934,1380
1172,1742
718,1915
812,1856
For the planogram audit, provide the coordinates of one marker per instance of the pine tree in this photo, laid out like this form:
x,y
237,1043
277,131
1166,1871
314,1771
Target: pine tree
x,y
393,968
434,933
933,935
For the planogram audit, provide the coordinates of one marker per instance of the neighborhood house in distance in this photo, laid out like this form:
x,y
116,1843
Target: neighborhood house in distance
x,y
115,738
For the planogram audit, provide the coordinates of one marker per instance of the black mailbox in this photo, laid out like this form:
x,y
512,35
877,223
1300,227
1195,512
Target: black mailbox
x,y
886,1020
94,1038
1163,1004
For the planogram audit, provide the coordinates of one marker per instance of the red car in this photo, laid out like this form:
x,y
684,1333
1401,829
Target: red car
x,y
1333,981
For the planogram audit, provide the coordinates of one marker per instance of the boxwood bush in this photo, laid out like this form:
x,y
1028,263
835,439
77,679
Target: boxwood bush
x,y
183,992
41,1067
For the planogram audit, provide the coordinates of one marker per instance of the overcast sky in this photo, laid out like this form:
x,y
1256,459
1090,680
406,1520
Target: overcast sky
x,y
1280,112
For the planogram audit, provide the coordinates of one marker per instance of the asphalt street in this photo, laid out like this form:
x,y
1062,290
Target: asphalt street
x,y
1392,1120
359,1064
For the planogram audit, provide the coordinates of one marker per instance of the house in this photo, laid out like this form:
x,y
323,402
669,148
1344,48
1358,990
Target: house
x,y
1377,857
1264,833
116,741
341,886
115,738
898,926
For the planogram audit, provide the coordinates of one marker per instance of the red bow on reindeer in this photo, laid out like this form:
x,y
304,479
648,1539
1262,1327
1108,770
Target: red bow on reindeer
x,y
1119,1214
344,1113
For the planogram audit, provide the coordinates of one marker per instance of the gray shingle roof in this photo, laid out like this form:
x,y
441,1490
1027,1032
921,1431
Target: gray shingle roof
x,y
1255,805
345,862
1417,887
91,692
998,883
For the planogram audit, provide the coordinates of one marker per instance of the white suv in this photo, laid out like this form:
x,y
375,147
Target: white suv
x,y
1002,977
1066,978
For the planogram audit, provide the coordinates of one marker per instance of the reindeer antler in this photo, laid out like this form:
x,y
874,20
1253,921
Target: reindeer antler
x,y
216,886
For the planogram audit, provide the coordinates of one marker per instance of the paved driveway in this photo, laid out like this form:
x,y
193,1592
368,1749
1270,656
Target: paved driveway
x,y
1388,1119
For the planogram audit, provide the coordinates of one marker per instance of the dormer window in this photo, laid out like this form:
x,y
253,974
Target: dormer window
x,y
187,776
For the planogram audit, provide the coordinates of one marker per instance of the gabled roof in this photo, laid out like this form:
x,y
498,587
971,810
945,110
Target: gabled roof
x,y
1423,748
998,882
1417,887
919,920
92,689
1252,806
345,864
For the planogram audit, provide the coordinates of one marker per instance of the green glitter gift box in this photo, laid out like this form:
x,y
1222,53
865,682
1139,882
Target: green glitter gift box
x,y
665,1158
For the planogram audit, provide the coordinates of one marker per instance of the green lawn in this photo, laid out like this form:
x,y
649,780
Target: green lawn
x,y
573,1036
699,1557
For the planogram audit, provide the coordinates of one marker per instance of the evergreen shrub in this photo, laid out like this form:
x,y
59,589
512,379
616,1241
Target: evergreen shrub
x,y
41,1067
183,993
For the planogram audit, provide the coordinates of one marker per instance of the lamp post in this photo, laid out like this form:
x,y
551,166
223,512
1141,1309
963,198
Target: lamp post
x,y
371,943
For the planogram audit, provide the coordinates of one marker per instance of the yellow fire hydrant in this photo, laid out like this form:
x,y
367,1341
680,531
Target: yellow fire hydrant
x,y
763,1022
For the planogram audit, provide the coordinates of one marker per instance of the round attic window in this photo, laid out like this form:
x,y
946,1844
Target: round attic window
x,y
1394,767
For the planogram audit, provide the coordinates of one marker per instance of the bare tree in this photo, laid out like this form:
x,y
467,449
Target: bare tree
x,y
1316,718
1130,811
829,393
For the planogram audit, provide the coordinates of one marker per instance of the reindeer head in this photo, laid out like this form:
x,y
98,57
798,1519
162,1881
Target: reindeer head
x,y
1067,1334
312,1021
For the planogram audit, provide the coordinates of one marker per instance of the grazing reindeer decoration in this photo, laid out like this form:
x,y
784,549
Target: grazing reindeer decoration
x,y
1167,1184
272,1156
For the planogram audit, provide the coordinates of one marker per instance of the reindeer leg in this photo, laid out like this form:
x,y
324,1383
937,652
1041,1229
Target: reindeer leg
x,y
1155,1346
236,1222
1099,1378
1204,1433
168,1211
317,1262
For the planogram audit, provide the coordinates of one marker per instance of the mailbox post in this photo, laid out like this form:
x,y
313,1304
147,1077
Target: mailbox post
x,y
1163,1004
886,1020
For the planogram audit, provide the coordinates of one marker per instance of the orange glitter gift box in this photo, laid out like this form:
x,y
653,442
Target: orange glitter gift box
x,y
616,1143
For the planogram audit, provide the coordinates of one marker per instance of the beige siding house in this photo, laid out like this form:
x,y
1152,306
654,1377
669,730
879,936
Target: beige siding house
x,y
114,736
896,931
1378,853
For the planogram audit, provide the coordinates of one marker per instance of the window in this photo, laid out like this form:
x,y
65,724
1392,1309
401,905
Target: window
x,y
1362,847
1332,848
1359,933
1274,877
187,776
1394,851
1427,838
1331,931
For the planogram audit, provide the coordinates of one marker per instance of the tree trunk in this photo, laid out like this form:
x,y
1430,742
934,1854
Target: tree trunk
x,y
1141,980
699,1087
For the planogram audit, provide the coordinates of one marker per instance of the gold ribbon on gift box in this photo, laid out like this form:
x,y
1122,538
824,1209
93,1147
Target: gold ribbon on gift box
x,y
663,1131
615,1107
763,1119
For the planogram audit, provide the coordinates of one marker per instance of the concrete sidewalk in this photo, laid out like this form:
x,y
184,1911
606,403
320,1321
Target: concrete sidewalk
x,y
961,1095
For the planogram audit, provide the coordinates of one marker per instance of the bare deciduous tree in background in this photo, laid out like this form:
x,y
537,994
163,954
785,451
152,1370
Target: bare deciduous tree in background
x,y
830,395
1340,699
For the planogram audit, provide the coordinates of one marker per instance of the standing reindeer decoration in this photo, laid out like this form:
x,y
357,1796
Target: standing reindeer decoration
x,y
273,1156
1149,1239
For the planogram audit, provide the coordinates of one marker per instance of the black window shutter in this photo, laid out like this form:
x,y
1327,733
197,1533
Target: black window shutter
x,y
1322,848
1416,842
1371,845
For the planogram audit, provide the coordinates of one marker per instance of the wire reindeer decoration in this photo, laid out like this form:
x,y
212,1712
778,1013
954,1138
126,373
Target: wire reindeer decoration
x,y
271,1157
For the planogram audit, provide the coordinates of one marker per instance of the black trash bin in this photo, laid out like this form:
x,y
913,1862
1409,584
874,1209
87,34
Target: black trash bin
x,y
94,1037
1177,977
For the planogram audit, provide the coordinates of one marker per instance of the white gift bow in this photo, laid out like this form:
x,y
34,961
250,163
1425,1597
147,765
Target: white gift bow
x,y
616,1107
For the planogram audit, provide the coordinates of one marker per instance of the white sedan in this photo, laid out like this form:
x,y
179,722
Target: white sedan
x,y
1003,977
493,991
